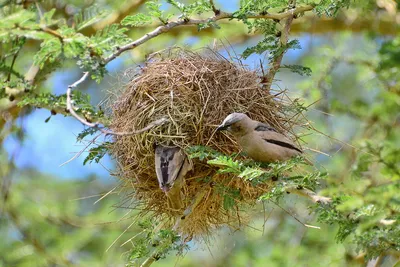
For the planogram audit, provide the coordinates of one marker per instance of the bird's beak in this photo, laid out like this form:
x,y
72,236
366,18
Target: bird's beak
x,y
165,188
222,128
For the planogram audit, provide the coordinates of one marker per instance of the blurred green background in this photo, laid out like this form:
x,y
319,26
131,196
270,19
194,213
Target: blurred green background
x,y
50,214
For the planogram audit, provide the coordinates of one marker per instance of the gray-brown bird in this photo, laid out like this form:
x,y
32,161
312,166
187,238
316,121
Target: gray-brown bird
x,y
260,141
171,165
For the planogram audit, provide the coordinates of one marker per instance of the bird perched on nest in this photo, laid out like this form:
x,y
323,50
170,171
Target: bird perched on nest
x,y
171,165
260,141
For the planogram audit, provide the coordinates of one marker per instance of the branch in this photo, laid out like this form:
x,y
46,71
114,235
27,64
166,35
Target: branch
x,y
69,102
97,124
10,109
276,63
220,16
304,192
214,9
149,261
386,222
314,197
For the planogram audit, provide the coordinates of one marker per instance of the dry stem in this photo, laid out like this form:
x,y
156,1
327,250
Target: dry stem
x,y
96,124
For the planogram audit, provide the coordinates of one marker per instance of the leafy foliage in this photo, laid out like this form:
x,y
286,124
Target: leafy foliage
x,y
365,182
154,242
282,172
301,70
57,104
331,7
88,131
196,8
136,20
71,226
97,153
65,42
366,204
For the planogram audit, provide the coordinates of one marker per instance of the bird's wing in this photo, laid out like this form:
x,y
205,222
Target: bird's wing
x,y
278,139
262,127
169,163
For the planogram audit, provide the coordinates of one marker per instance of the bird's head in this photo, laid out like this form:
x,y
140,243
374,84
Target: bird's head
x,y
235,123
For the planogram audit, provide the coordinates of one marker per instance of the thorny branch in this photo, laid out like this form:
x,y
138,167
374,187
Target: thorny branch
x,y
276,63
96,125
215,10
219,16
314,197
304,192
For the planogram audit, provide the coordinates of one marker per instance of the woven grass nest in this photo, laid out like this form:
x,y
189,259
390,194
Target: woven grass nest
x,y
195,91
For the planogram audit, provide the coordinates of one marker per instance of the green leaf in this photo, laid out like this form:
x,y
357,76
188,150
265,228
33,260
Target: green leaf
x,y
228,164
20,18
301,70
176,4
202,152
154,9
270,43
251,173
97,153
331,7
50,50
86,132
88,17
139,250
47,120
228,202
47,17
136,20
75,46
209,24
31,34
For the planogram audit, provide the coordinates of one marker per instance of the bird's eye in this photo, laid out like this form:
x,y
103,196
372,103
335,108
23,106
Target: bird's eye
x,y
235,128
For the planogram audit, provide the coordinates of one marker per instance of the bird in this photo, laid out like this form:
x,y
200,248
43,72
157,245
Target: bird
x,y
260,141
171,164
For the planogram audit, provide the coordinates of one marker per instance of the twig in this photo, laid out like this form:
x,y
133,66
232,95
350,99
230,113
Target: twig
x,y
81,151
294,217
149,261
148,127
276,63
97,124
13,62
69,102
186,22
304,192
376,262
386,222
215,10
115,241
